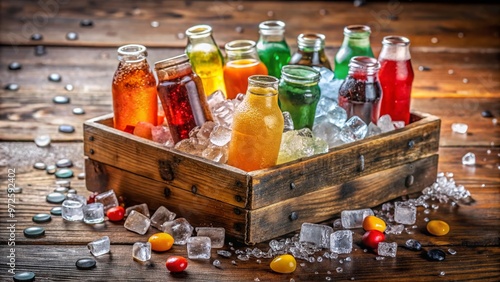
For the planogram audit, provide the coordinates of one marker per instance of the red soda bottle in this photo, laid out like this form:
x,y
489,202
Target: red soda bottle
x,y
396,78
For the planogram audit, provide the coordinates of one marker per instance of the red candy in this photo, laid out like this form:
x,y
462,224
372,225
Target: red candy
x,y
372,238
176,263
115,213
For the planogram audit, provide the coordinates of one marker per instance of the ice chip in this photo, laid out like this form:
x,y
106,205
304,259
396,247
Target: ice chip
x,y
215,99
288,122
373,130
354,129
338,116
216,235
398,124
142,208
179,228
141,251
387,249
318,234
72,210
199,247
459,128
405,213
76,197
385,123
354,218
469,159
215,153
100,246
341,242
93,213
161,134
327,131
137,222
161,215
108,200
220,135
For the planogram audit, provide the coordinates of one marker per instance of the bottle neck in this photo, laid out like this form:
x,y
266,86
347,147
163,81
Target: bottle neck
x,y
272,31
357,36
132,53
200,34
364,68
241,49
395,48
300,75
173,68
313,42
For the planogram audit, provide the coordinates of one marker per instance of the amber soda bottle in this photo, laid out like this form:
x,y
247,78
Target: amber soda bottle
x,y
182,97
134,88
311,51
257,126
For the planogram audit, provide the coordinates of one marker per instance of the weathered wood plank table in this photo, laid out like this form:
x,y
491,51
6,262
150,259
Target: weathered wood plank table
x,y
458,43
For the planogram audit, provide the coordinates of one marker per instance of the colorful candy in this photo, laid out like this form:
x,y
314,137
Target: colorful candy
x,y
176,264
284,264
161,242
372,222
438,227
372,238
115,213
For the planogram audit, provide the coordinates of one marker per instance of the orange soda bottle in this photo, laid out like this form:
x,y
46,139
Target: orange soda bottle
x,y
242,62
134,88
257,126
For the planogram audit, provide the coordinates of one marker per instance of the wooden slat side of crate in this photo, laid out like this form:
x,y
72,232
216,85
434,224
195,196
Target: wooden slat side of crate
x,y
136,189
345,163
151,160
363,192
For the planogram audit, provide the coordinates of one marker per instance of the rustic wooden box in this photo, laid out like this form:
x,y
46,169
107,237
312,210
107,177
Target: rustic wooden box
x,y
260,205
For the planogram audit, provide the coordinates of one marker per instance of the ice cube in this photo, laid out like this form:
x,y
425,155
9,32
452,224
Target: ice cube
x,y
387,249
215,99
137,222
325,105
216,235
76,197
300,143
338,116
354,218
405,213
72,210
469,159
93,213
354,129
141,251
318,234
215,153
341,242
288,122
459,128
373,130
198,247
220,135
327,131
161,134
100,246
108,200
398,124
161,215
179,228
142,208
385,123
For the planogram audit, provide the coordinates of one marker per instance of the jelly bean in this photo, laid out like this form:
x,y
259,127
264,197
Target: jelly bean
x,y
436,254
161,242
176,264
372,222
372,238
438,227
284,264
115,213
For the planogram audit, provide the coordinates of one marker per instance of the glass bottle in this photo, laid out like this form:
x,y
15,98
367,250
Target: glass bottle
x,y
299,94
356,43
182,97
257,126
133,88
242,62
396,78
311,51
206,58
272,47
360,93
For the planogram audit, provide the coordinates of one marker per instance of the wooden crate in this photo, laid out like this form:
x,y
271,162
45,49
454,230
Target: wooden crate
x,y
259,205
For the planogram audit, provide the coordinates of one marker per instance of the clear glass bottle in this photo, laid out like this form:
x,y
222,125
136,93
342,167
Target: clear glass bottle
x,y
242,62
182,97
257,126
356,43
206,58
360,94
311,51
396,77
273,50
134,89
299,94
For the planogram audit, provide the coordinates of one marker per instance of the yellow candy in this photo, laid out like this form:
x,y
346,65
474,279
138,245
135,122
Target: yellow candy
x,y
284,264
161,242
372,222
438,227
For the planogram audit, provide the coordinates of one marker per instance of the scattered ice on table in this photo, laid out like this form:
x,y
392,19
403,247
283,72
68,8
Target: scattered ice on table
x,y
93,213
276,245
198,247
72,210
216,263
100,246
288,122
142,208
301,143
224,253
161,215
387,249
243,257
318,234
354,129
405,213
469,159
42,140
385,123
354,218
141,251
216,235
108,200
341,242
394,229
78,198
137,222
179,228
161,134
337,223
452,251
459,128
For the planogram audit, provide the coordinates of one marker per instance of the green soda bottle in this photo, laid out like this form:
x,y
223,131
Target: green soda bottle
x,y
356,43
272,47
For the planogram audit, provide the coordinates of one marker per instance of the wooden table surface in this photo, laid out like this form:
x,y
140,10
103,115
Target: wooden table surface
x,y
459,43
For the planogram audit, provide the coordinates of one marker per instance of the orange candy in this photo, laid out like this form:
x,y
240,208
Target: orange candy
x,y
438,227
161,242
372,222
284,264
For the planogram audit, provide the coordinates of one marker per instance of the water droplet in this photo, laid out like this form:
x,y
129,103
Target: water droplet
x,y
61,99
434,40
12,87
36,37
181,35
69,87
461,35
465,80
15,66
72,36
469,159
155,24
42,140
65,128
424,68
34,232
486,114
78,111
270,14
239,29
55,77
40,166
86,23
450,71
40,50
85,263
